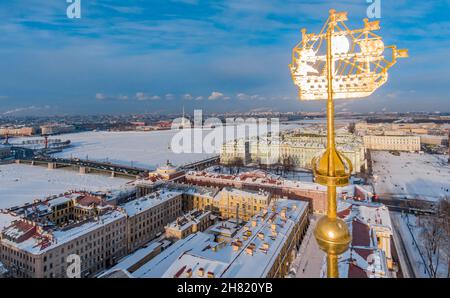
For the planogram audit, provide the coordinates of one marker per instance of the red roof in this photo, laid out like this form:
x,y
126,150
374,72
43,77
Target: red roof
x,y
88,200
360,233
364,253
344,213
355,271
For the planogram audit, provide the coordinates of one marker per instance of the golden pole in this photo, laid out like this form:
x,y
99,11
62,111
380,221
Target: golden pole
x,y
333,169
332,267
331,232
331,187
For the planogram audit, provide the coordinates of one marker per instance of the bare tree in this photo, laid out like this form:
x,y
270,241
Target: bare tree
x,y
432,240
436,237
287,164
352,127
235,164
443,212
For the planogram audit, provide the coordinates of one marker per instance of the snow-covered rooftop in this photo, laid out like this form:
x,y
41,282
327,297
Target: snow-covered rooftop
x,y
199,252
188,219
259,177
149,201
34,244
261,195
127,263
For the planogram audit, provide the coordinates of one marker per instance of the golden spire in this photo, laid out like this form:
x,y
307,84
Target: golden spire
x,y
338,63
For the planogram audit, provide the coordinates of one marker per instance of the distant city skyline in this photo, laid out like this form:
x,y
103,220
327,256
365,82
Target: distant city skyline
x,y
219,56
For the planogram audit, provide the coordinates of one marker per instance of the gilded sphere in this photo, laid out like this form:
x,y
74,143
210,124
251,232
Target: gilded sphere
x,y
332,235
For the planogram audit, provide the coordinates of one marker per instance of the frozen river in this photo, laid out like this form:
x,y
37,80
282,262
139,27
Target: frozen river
x,y
20,183
153,148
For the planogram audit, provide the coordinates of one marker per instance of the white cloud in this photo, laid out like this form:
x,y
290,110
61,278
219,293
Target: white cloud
x,y
199,98
100,96
141,96
217,95
169,96
243,96
187,96
26,109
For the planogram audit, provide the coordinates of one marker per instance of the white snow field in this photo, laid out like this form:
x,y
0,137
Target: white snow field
x,y
140,149
152,148
20,183
411,175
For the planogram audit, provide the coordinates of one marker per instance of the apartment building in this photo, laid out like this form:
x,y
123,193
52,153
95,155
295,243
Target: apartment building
x,y
263,248
192,222
242,204
51,129
394,143
278,187
36,239
28,249
148,216
225,202
17,131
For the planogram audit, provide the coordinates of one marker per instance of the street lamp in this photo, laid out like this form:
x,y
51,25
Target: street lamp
x,y
338,63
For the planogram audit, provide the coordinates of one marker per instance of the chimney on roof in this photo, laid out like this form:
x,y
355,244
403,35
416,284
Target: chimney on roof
x,y
283,213
265,246
261,235
273,227
201,272
189,273
236,244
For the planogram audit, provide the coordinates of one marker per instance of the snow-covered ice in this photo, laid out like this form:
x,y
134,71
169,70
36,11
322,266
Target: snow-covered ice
x,y
412,175
20,183
148,149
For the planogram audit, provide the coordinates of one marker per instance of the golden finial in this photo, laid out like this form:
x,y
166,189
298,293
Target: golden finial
x,y
355,66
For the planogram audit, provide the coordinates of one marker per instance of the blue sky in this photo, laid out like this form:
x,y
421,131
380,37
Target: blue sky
x,y
230,55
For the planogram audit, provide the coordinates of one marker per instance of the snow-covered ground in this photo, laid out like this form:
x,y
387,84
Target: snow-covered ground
x,y
410,231
21,183
412,175
152,148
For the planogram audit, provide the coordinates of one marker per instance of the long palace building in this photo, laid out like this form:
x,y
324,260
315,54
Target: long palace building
x,y
293,149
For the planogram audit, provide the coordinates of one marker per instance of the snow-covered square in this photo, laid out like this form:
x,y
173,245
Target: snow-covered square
x,y
411,175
